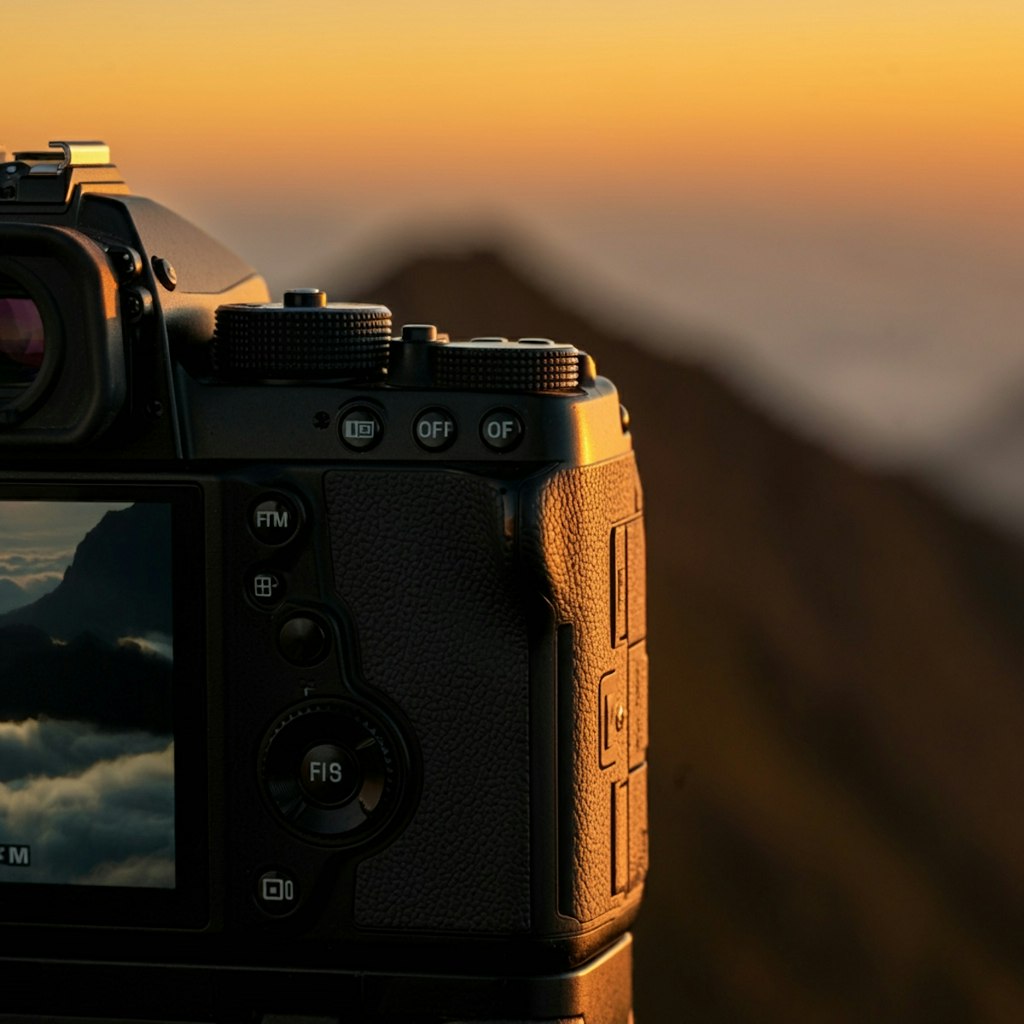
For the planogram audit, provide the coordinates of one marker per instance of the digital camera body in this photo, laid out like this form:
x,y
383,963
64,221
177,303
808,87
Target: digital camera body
x,y
323,679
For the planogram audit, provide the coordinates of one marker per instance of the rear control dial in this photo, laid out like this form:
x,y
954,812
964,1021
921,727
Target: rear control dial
x,y
330,771
496,364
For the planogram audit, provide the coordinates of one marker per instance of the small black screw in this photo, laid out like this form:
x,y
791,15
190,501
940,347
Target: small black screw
x,y
321,420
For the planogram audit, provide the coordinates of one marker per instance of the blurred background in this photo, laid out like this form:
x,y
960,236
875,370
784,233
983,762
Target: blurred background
x,y
792,234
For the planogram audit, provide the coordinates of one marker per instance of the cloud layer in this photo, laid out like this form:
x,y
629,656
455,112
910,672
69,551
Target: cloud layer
x,y
96,808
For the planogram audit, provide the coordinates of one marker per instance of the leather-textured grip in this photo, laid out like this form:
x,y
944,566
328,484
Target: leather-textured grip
x,y
423,567
442,572
585,528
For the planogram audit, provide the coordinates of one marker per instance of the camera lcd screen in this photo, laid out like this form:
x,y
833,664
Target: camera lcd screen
x,y
87,779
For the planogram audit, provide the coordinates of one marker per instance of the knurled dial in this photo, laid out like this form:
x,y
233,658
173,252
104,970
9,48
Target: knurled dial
x,y
330,771
497,364
304,337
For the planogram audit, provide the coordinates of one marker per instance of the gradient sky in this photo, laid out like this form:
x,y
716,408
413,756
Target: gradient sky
x,y
923,97
832,191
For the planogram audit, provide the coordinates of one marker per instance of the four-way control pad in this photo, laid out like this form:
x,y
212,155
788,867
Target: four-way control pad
x,y
330,772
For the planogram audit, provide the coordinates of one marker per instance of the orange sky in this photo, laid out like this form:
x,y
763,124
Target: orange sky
x,y
597,98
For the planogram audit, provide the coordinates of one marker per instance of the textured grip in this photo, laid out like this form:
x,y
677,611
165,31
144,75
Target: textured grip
x,y
422,565
442,573
585,528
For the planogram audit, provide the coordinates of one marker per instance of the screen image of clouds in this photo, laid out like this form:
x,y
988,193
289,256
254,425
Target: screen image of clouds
x,y
86,659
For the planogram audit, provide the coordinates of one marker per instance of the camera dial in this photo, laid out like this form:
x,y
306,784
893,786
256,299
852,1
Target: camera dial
x,y
529,364
423,358
303,337
330,771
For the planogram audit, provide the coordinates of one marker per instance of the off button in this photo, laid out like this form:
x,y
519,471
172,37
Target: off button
x,y
501,430
435,430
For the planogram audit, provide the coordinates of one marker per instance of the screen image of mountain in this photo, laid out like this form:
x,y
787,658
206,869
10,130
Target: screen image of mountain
x,y
86,672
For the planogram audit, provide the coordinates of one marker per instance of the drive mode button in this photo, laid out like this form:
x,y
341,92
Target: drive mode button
x,y
329,775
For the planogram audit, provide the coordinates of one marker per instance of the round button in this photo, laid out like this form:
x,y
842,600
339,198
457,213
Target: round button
x,y
419,332
330,770
265,588
303,640
329,775
360,428
501,430
165,273
305,298
274,519
435,429
277,893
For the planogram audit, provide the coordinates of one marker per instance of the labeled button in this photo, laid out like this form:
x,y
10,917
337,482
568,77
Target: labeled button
x,y
277,893
360,428
501,430
329,775
266,589
274,519
303,640
328,771
435,429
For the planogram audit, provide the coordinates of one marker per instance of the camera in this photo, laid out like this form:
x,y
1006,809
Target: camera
x,y
323,675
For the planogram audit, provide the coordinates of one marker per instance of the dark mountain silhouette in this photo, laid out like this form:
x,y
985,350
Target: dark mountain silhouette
x,y
837,733
71,654
11,595
118,584
85,680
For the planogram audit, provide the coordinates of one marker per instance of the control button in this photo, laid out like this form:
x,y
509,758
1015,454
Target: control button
x,y
127,262
435,429
265,588
329,775
165,273
303,640
501,430
612,723
277,893
329,770
419,332
638,840
620,584
637,697
138,302
274,519
637,562
360,428
305,298
620,836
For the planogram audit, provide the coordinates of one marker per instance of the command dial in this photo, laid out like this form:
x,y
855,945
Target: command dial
x,y
496,364
305,337
331,771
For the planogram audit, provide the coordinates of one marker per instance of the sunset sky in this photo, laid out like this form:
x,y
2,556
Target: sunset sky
x,y
833,189
919,99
